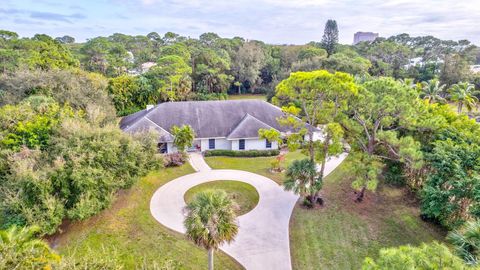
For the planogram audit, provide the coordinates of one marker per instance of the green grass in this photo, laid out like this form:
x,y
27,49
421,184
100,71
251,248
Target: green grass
x,y
244,195
128,232
247,96
258,165
342,233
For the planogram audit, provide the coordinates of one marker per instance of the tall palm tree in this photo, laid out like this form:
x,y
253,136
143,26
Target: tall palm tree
x,y
211,221
21,250
466,241
463,94
303,179
433,91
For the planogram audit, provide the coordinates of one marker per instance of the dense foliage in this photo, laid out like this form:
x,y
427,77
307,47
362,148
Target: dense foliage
x,y
154,68
20,250
466,241
56,165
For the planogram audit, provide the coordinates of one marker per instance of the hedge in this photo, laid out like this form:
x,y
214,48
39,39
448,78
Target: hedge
x,y
247,153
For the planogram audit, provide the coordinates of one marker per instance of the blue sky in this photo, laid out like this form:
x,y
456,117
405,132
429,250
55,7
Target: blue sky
x,y
273,21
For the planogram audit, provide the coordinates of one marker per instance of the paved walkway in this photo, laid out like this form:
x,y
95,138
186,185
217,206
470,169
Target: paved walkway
x,y
198,162
262,242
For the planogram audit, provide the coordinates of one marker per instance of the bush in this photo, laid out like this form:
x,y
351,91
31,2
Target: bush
x,y
174,159
247,153
75,176
394,173
19,249
426,256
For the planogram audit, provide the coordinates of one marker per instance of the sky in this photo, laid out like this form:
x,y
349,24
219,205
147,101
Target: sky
x,y
272,21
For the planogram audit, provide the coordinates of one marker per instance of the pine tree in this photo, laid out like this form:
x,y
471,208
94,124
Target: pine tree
x,y
330,37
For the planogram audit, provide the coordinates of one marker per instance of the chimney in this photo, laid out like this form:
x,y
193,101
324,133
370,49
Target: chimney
x,y
149,107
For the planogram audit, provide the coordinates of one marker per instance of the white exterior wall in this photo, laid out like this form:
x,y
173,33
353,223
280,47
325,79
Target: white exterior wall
x,y
224,144
171,148
254,144
234,144
317,136
220,143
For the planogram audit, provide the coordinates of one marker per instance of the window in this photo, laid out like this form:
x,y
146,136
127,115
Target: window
x,y
211,143
241,144
162,148
268,144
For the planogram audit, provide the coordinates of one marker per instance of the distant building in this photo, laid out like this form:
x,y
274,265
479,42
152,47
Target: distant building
x,y
364,36
475,68
147,66
417,61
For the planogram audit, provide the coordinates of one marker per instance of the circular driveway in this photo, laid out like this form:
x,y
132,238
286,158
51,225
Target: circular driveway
x,y
262,241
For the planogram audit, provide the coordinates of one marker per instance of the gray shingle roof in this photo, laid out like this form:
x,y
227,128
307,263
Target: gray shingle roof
x,y
209,119
247,128
143,124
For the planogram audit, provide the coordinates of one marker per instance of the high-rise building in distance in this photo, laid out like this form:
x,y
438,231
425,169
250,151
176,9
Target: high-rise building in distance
x,y
364,36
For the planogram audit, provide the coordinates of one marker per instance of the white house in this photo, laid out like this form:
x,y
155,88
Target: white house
x,y
475,68
229,125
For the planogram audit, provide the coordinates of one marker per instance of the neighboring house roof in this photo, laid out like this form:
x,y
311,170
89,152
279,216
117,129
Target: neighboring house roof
x,y
210,119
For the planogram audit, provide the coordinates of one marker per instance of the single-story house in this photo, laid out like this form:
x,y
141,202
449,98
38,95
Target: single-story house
x,y
229,125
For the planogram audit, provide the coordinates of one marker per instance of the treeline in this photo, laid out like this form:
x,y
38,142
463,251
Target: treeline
x,y
154,68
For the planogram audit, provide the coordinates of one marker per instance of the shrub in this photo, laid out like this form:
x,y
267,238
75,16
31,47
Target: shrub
x,y
75,176
276,163
426,256
247,153
174,159
19,249
394,173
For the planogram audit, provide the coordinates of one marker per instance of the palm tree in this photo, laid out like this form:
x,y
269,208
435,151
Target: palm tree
x,y
303,179
410,83
463,93
433,91
466,241
211,221
21,250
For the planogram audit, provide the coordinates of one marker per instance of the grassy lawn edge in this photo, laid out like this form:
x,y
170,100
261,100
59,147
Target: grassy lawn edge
x,y
129,232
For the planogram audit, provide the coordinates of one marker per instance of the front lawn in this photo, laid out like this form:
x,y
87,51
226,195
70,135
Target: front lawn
x,y
342,233
247,96
243,194
258,165
128,232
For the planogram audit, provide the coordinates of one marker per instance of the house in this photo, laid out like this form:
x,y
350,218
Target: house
x,y
229,125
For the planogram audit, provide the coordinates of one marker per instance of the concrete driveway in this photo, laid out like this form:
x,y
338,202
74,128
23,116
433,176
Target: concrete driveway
x,y
262,242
